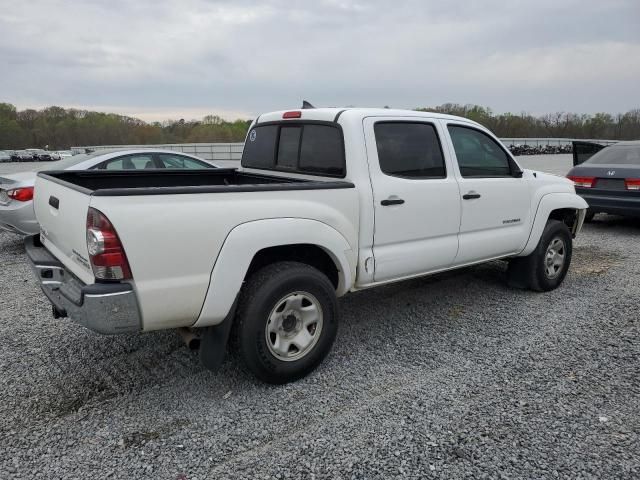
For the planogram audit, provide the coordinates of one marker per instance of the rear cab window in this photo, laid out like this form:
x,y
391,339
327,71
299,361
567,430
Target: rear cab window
x,y
312,148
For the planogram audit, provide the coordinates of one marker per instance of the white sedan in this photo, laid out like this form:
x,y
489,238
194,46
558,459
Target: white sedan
x,y
16,190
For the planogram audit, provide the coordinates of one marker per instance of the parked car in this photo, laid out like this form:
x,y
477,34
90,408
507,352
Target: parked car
x,y
328,201
25,156
16,190
40,155
64,153
5,156
610,180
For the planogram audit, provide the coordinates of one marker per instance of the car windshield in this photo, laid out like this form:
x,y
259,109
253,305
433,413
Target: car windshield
x,y
616,155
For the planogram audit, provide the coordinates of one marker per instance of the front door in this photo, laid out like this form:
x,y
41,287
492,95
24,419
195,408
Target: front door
x,y
416,197
496,203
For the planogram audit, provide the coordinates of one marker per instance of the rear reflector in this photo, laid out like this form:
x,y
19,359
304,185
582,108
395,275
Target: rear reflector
x,y
583,182
295,114
632,183
21,194
108,260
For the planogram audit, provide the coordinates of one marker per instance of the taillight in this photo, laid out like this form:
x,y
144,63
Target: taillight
x,y
21,194
632,183
106,253
294,114
583,182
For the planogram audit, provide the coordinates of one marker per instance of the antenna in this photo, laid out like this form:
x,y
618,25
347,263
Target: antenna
x,y
306,105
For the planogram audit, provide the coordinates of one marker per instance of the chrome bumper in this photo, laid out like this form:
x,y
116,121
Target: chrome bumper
x,y
108,308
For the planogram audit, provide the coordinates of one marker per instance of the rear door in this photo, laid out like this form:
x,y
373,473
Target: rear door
x,y
496,200
416,197
62,214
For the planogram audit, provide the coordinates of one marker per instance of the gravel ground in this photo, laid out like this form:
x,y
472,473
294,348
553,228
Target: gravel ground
x,y
486,382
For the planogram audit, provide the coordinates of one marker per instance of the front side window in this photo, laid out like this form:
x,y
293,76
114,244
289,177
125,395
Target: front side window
x,y
409,150
301,147
478,154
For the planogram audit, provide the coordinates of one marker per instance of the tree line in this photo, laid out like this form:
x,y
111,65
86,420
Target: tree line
x,y
603,126
60,128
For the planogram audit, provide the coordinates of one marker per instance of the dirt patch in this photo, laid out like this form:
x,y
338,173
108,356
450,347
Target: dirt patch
x,y
136,439
592,260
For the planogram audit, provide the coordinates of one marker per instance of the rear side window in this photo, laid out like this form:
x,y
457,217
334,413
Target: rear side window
x,y
310,148
410,150
478,154
129,162
180,161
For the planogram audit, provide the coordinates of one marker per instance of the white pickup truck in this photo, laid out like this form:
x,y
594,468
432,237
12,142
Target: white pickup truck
x,y
327,201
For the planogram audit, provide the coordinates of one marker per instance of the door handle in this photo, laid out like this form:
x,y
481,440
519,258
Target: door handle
x,y
391,201
471,195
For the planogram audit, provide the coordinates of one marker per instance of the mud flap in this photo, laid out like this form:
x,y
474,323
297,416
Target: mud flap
x,y
213,343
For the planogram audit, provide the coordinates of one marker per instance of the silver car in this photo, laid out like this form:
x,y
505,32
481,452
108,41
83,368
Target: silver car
x,y
16,190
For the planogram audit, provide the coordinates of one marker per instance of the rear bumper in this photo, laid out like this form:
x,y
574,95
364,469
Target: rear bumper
x,y
107,308
617,205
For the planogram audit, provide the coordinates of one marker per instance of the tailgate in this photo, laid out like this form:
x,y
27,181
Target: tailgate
x,y
62,214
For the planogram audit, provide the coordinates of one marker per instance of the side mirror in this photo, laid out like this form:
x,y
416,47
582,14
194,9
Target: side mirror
x,y
518,173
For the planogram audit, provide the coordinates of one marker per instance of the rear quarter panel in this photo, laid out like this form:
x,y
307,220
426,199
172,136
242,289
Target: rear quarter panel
x,y
172,241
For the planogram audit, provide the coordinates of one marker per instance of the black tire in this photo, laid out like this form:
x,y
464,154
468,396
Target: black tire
x,y
588,218
260,296
531,271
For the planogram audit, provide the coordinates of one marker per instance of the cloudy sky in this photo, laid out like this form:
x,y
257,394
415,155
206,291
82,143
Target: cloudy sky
x,y
159,59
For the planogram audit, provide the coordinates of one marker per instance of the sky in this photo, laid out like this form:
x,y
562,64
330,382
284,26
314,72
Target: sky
x,y
170,59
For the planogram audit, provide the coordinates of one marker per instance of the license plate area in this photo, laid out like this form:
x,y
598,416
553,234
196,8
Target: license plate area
x,y
610,184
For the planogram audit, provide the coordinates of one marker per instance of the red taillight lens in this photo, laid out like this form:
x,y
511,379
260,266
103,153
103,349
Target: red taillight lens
x,y
583,182
21,194
108,260
632,183
295,114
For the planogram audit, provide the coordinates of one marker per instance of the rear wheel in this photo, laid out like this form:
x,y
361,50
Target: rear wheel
x,y
287,321
546,267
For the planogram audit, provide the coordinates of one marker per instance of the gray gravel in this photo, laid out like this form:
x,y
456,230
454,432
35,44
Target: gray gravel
x,y
453,376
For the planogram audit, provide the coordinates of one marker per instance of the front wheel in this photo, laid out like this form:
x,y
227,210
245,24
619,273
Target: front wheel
x,y
546,267
287,321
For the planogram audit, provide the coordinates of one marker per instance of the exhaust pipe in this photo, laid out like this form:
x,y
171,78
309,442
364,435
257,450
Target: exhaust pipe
x,y
190,338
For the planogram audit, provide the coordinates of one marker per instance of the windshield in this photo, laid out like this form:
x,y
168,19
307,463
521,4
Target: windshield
x,y
616,155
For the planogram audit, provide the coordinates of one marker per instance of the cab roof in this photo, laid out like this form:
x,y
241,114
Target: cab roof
x,y
334,114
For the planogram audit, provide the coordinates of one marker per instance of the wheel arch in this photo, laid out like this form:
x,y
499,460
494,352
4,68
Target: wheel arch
x,y
252,245
566,207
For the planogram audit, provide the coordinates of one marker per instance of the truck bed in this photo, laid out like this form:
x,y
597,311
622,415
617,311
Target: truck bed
x,y
165,182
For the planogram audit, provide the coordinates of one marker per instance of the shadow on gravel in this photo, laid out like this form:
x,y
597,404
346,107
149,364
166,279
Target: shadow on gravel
x,y
92,368
11,244
614,224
